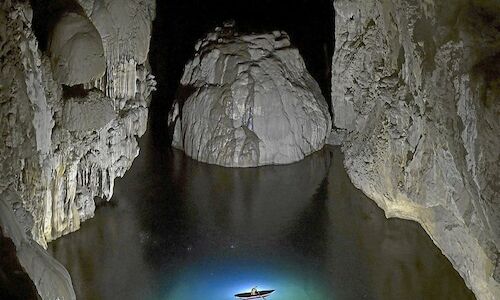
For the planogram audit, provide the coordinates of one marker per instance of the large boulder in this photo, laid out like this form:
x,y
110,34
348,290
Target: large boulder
x,y
247,101
77,54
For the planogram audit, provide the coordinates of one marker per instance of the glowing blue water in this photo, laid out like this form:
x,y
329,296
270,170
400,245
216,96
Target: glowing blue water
x,y
220,280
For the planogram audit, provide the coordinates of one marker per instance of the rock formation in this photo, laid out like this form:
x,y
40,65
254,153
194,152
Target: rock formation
x,y
51,279
415,93
248,101
63,146
125,28
76,50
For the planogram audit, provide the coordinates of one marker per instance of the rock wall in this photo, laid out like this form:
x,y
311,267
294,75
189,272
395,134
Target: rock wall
x,y
51,279
60,147
247,101
415,94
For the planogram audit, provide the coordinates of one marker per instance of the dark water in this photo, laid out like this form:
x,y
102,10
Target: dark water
x,y
177,229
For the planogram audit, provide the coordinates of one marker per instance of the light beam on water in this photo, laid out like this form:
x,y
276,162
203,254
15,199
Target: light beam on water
x,y
221,280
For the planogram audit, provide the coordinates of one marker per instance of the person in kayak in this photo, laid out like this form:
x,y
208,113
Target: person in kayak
x,y
254,292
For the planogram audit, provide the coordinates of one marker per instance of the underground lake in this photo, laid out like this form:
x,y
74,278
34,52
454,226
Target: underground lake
x,y
177,229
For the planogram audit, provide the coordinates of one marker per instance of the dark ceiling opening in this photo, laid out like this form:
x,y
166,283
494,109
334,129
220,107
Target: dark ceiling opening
x,y
179,24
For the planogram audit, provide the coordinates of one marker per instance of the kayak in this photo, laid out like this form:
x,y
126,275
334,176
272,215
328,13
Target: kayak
x,y
260,295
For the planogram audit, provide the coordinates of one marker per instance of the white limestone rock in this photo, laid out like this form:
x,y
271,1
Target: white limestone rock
x,y
51,279
415,88
125,29
77,54
248,101
59,154
89,113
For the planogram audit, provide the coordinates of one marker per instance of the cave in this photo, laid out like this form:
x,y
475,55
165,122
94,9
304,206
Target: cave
x,y
301,149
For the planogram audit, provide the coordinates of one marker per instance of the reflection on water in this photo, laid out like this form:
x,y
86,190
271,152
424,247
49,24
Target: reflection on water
x,y
182,230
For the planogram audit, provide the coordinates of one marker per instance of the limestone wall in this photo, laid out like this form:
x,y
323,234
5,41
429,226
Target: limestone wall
x,y
415,92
